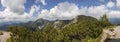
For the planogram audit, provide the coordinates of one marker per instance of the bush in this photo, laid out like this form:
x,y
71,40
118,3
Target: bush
x,y
1,33
111,30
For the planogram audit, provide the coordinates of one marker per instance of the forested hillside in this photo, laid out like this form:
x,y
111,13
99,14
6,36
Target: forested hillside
x,y
85,29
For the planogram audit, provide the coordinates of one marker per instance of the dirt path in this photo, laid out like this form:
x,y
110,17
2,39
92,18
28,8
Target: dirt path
x,y
104,36
114,34
5,36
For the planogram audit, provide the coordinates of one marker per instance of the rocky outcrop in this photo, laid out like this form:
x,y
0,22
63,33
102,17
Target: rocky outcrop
x,y
111,35
4,36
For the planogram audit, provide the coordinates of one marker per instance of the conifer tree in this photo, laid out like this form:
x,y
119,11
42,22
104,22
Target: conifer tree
x,y
105,20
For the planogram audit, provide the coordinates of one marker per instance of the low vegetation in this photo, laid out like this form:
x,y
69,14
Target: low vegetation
x,y
1,33
86,29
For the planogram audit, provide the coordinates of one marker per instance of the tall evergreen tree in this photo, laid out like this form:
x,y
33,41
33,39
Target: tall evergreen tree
x,y
105,21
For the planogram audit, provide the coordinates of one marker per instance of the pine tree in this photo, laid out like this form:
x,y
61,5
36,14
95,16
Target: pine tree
x,y
105,21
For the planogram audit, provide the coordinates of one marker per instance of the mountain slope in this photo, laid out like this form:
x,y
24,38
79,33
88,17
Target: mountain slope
x,y
41,23
82,28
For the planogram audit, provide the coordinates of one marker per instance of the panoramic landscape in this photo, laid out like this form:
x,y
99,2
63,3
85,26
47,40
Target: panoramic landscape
x,y
59,20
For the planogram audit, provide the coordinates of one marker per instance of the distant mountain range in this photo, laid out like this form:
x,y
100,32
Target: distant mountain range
x,y
115,21
5,25
41,23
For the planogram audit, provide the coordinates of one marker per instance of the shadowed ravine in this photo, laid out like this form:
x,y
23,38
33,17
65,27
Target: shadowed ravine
x,y
112,40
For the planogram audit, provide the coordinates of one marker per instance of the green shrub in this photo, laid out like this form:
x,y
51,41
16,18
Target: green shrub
x,y
1,33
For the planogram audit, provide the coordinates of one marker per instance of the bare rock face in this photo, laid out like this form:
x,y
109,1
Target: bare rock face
x,y
61,23
4,36
57,24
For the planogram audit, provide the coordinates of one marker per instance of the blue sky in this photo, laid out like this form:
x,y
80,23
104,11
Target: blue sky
x,y
22,10
52,3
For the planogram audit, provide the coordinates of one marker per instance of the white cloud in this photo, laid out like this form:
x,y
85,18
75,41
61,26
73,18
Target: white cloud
x,y
114,14
118,3
42,1
62,11
16,6
96,11
83,10
34,8
11,16
110,4
14,11
68,10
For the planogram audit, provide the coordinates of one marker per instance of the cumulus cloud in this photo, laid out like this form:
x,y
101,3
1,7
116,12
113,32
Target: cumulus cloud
x,y
34,8
14,10
11,16
68,10
118,3
62,11
110,4
16,6
42,1
114,14
96,11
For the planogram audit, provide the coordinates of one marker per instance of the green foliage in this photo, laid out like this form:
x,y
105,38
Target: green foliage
x,y
85,29
19,33
105,21
9,40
